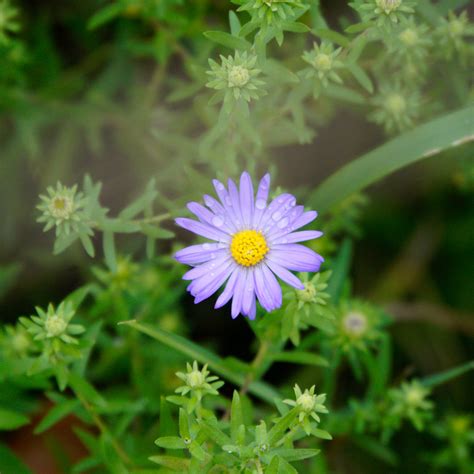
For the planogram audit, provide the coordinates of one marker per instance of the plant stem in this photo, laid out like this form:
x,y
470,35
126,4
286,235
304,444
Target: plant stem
x,y
104,429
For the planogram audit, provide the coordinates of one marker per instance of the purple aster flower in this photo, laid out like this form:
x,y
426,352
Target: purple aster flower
x,y
253,243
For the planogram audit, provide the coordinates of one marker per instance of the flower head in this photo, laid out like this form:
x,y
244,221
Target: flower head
x,y
358,326
324,64
411,401
271,11
253,242
384,12
395,108
453,34
53,324
309,404
15,340
198,381
61,208
237,76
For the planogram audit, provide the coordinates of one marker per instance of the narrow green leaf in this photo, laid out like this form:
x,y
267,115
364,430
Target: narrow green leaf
x,y
56,414
340,271
295,27
296,454
321,434
170,442
227,40
171,462
10,463
184,430
236,417
167,426
108,243
447,375
332,35
301,357
424,141
87,244
11,420
214,433
282,425
195,351
361,76
345,94
358,27
104,15
234,23
83,389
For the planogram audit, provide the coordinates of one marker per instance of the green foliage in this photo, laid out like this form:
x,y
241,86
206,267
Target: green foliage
x,y
134,92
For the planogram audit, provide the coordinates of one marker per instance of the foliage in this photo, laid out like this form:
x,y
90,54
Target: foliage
x,y
146,88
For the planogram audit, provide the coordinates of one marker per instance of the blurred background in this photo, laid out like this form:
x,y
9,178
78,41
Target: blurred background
x,y
77,98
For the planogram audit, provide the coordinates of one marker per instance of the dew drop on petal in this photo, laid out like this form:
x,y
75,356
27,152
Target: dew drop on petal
x,y
260,204
283,223
220,187
206,246
217,221
276,216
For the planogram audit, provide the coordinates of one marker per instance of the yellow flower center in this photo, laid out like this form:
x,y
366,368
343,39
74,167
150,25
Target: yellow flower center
x,y
248,247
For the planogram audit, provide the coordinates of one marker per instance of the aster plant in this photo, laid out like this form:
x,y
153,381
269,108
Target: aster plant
x,y
253,242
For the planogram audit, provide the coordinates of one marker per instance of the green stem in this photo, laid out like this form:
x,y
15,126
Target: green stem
x,y
104,429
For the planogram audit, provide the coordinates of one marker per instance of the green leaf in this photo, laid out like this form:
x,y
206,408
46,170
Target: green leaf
x,y
56,414
234,23
167,426
236,417
225,39
184,430
118,225
340,270
214,433
87,244
282,425
195,351
11,420
140,204
171,462
333,36
104,15
83,389
9,462
295,27
361,76
296,454
447,375
424,141
321,434
108,244
300,357
344,94
358,27
170,442
63,242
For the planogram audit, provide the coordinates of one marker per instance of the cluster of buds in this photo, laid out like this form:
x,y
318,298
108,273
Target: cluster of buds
x,y
309,405
323,66
237,77
358,326
453,33
384,12
395,109
409,401
62,208
271,12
